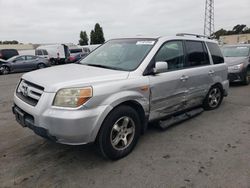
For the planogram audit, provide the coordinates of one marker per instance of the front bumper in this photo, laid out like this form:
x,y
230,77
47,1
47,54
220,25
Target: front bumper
x,y
236,77
72,127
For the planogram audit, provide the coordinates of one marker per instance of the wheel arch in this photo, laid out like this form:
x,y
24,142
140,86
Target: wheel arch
x,y
135,105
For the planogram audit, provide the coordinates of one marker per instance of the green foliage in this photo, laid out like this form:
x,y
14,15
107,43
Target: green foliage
x,y
9,42
96,35
238,29
84,40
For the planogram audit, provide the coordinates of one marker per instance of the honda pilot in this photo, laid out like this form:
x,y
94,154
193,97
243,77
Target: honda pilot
x,y
111,95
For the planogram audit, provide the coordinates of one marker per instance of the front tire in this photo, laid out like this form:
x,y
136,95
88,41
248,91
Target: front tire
x,y
246,79
119,133
214,98
41,66
5,70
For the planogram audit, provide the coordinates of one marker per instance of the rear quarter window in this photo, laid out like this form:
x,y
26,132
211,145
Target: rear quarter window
x,y
215,53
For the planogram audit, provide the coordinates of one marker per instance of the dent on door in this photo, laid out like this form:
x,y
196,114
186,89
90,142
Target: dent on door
x,y
168,94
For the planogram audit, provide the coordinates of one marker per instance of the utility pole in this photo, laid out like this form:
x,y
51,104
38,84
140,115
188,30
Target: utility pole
x,y
209,18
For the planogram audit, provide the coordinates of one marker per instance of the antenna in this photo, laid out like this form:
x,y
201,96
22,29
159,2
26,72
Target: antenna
x,y
209,18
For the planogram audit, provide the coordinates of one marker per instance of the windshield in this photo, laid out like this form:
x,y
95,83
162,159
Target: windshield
x,y
236,51
12,58
120,54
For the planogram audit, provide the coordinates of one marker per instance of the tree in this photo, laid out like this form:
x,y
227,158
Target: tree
x,y
238,29
92,37
84,40
219,33
96,35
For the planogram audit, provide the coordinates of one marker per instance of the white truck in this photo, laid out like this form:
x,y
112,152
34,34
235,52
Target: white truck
x,y
56,53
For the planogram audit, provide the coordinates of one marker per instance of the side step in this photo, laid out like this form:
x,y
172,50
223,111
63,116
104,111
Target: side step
x,y
179,118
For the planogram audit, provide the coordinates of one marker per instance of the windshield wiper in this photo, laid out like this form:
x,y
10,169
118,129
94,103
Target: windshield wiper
x,y
102,66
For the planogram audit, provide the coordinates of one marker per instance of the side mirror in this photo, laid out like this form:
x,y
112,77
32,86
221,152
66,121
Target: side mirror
x,y
14,61
160,66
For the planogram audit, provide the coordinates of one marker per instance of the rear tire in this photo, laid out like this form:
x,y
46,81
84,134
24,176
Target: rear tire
x,y
41,66
119,133
214,98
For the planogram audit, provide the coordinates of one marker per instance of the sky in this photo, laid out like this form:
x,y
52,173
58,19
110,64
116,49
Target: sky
x,y
60,21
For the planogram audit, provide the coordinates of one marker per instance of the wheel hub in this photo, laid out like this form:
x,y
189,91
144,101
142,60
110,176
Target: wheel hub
x,y
122,133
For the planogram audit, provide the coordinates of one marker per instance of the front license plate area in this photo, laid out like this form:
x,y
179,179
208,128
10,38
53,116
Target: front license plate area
x,y
19,116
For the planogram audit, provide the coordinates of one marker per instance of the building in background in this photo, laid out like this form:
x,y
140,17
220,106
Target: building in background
x,y
235,39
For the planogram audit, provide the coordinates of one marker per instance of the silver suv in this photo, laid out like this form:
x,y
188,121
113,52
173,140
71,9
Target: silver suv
x,y
112,94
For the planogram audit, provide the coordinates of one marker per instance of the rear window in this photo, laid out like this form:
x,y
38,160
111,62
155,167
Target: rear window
x,y
75,51
215,53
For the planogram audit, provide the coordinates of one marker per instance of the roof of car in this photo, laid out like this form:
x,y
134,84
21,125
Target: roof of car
x,y
181,37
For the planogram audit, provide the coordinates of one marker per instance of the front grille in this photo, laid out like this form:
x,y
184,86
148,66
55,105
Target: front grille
x,y
29,92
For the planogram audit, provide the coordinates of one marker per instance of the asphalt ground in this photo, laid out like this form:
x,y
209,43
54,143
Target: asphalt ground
x,y
210,150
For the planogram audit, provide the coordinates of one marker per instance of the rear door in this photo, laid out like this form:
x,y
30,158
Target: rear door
x,y
199,72
168,89
219,68
31,62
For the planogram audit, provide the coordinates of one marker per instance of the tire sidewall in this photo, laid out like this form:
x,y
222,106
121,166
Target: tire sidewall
x,y
104,142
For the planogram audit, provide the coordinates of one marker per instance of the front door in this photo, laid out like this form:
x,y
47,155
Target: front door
x,y
18,63
168,89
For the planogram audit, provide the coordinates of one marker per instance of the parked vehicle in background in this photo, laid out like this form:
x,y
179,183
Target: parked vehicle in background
x,y
77,53
79,50
112,94
90,47
76,57
237,58
57,54
23,63
8,53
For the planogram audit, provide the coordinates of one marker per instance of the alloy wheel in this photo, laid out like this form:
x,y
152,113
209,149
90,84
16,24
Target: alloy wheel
x,y
214,97
122,133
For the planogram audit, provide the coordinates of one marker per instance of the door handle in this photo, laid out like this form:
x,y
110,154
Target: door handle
x,y
184,78
211,72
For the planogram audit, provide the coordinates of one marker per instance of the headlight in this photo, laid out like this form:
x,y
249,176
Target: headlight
x,y
72,97
235,68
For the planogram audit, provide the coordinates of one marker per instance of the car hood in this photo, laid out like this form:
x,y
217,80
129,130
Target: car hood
x,y
2,61
73,75
230,61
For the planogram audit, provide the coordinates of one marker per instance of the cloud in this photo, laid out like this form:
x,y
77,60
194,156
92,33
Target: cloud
x,y
43,21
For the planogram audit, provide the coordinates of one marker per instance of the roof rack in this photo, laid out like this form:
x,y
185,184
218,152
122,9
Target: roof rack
x,y
195,35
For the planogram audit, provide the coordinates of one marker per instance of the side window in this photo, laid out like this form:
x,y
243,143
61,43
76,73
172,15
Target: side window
x,y
172,53
45,52
39,52
30,57
22,58
215,53
197,54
